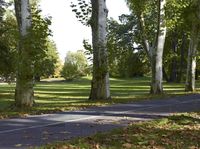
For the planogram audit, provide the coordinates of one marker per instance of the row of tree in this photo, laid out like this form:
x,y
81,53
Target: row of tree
x,y
145,30
141,39
180,18
177,16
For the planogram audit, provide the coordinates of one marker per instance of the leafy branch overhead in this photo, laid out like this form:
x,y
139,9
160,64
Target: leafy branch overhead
x,y
83,11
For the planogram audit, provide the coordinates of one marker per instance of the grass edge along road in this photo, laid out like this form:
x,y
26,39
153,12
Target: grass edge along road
x,y
59,95
181,131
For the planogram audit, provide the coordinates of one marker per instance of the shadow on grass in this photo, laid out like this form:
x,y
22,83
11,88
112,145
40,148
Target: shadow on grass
x,y
62,94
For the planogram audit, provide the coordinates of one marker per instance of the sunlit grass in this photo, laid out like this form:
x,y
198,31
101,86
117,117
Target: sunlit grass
x,y
59,95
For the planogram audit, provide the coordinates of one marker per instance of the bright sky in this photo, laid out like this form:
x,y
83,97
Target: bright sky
x,y
68,33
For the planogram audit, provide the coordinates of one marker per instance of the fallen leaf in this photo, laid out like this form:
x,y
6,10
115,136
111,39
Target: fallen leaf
x,y
97,146
18,145
127,145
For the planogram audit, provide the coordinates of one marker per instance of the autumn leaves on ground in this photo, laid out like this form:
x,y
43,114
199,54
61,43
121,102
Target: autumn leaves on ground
x,y
181,131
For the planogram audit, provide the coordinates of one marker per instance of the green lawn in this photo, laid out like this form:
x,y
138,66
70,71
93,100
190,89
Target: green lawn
x,y
53,96
176,132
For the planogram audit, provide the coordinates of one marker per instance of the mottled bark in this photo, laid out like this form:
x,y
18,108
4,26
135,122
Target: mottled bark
x,y
191,60
100,88
24,94
157,54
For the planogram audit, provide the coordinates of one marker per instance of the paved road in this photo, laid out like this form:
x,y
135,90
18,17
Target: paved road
x,y
39,130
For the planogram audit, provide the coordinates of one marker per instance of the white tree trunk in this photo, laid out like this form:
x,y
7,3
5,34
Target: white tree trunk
x,y
157,54
100,88
191,60
24,95
193,45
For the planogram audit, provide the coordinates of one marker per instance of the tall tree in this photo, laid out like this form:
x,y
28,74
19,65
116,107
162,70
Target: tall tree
x,y
96,17
152,34
157,53
100,88
193,45
24,93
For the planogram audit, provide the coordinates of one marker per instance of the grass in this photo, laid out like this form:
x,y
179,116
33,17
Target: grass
x,y
54,96
175,132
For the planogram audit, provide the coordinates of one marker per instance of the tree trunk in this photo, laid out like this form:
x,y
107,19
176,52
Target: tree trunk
x,y
157,54
165,75
173,70
182,53
24,94
191,60
100,88
194,40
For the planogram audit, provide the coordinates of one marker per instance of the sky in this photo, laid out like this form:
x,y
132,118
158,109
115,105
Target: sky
x,y
68,33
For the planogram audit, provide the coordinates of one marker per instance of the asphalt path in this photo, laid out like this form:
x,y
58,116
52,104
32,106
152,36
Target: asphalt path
x,y
39,130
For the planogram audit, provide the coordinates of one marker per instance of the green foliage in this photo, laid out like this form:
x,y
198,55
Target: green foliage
x,y
42,51
38,35
175,54
125,59
147,10
83,11
125,55
8,44
179,18
180,15
177,12
46,65
75,65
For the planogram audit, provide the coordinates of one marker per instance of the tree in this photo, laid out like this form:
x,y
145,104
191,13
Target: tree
x,y
75,65
34,32
100,88
177,40
100,85
174,57
152,34
46,64
157,53
123,54
24,93
193,45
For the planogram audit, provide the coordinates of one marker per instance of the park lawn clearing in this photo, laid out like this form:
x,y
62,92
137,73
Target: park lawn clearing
x,y
181,131
58,95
